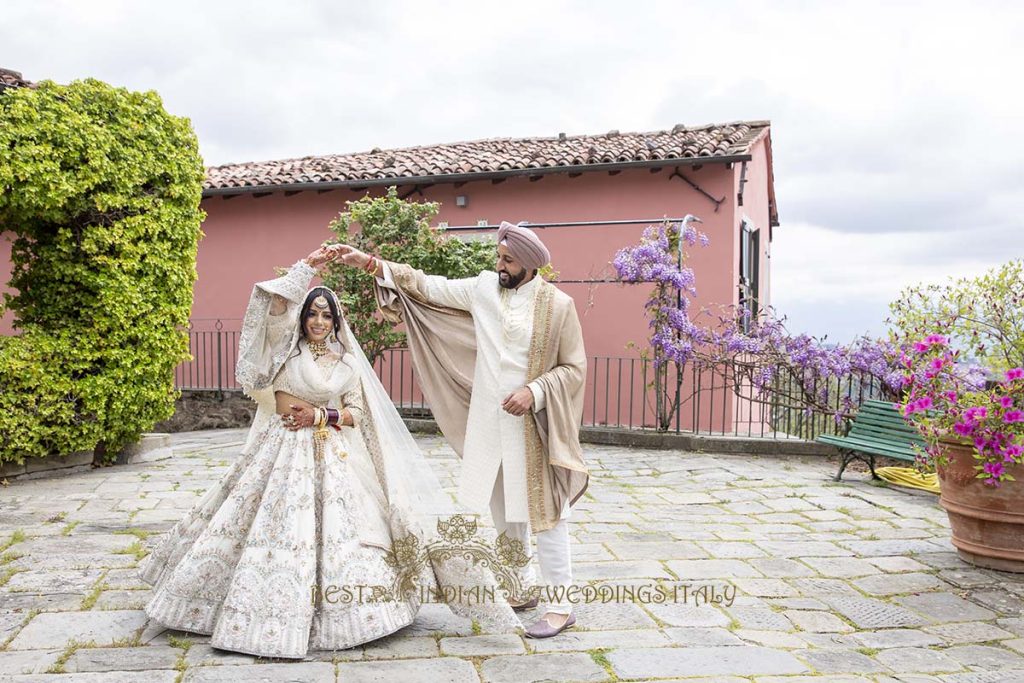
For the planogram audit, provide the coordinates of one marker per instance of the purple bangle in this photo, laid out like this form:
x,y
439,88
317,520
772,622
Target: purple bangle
x,y
333,416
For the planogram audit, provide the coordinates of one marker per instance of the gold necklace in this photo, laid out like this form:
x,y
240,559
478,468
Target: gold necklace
x,y
317,348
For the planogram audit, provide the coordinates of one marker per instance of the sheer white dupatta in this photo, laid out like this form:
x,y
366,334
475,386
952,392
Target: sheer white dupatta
x,y
267,340
419,508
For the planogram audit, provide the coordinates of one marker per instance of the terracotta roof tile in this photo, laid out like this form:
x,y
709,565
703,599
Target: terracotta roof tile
x,y
492,157
13,79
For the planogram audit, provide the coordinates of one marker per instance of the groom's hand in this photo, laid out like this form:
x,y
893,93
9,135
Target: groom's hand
x,y
518,402
351,256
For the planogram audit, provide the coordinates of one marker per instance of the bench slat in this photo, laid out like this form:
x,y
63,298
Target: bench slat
x,y
877,444
875,448
894,421
885,432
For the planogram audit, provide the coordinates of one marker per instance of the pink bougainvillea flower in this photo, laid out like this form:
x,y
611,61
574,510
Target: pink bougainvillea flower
x,y
963,428
1005,401
1013,416
1015,374
994,470
923,403
921,347
936,340
976,413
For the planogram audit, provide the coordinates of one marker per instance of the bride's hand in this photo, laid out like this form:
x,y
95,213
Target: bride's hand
x,y
323,255
299,418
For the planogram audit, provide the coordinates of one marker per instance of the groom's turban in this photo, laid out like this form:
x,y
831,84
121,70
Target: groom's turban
x,y
524,246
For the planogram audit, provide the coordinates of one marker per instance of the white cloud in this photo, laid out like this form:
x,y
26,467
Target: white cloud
x,y
897,157
841,284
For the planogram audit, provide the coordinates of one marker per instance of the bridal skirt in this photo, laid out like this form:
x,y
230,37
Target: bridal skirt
x,y
250,564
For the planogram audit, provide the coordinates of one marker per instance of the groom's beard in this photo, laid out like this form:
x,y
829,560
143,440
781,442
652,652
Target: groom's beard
x,y
509,281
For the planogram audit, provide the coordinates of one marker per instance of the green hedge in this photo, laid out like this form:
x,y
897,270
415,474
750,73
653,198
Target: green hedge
x,y
101,188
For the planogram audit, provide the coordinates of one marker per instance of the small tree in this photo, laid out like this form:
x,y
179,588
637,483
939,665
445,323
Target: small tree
x,y
398,231
982,316
101,188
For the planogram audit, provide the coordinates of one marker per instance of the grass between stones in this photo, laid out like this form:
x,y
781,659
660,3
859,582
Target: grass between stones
x,y
73,646
89,600
16,537
136,549
6,574
28,617
184,644
599,655
9,556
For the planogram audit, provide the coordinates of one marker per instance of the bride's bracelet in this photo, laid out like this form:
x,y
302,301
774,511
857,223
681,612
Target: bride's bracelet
x,y
333,416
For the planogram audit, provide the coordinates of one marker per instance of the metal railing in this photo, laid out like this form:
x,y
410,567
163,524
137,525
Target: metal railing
x,y
718,399
213,345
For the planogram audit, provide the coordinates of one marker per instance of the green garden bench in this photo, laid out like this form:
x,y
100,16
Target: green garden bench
x,y
878,429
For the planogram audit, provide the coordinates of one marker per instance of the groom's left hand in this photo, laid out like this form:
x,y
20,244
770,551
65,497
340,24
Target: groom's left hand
x,y
518,402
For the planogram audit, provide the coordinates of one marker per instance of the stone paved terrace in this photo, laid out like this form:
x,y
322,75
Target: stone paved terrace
x,y
834,582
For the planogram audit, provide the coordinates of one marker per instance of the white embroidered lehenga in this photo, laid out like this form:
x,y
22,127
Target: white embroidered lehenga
x,y
293,523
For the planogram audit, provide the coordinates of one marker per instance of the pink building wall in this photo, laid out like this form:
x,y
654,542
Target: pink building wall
x,y
246,237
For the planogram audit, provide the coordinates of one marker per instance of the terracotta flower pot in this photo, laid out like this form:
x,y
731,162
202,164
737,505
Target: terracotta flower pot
x,y
987,521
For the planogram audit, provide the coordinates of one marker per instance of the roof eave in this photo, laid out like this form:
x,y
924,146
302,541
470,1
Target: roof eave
x,y
470,177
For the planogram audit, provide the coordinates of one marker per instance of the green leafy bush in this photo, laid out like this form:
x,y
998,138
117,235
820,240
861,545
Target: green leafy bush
x,y
101,188
397,231
982,316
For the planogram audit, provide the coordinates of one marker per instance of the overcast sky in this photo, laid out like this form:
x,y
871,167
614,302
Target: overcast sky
x,y
895,126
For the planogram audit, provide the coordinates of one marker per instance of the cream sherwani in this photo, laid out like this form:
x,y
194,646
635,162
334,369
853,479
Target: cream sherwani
x,y
493,471
503,322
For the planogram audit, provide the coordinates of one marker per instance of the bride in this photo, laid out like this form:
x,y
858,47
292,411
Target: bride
x,y
328,484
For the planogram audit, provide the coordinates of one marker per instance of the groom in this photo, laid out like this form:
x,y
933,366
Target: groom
x,y
500,359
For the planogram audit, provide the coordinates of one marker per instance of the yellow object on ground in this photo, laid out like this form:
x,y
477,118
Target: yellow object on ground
x,y
908,476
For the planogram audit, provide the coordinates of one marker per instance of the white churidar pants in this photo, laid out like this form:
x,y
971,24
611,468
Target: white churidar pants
x,y
553,552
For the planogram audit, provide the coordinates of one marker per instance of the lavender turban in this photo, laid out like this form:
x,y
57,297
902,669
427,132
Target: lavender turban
x,y
524,245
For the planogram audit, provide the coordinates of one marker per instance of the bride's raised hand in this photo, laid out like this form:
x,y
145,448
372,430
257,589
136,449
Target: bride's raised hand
x,y
319,257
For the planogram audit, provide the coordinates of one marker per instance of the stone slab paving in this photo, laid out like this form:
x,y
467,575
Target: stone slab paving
x,y
767,572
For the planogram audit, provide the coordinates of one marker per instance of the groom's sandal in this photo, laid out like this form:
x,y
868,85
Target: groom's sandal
x,y
521,606
542,629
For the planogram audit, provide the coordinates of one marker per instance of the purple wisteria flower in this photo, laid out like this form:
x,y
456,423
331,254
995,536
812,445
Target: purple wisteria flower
x,y
796,370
